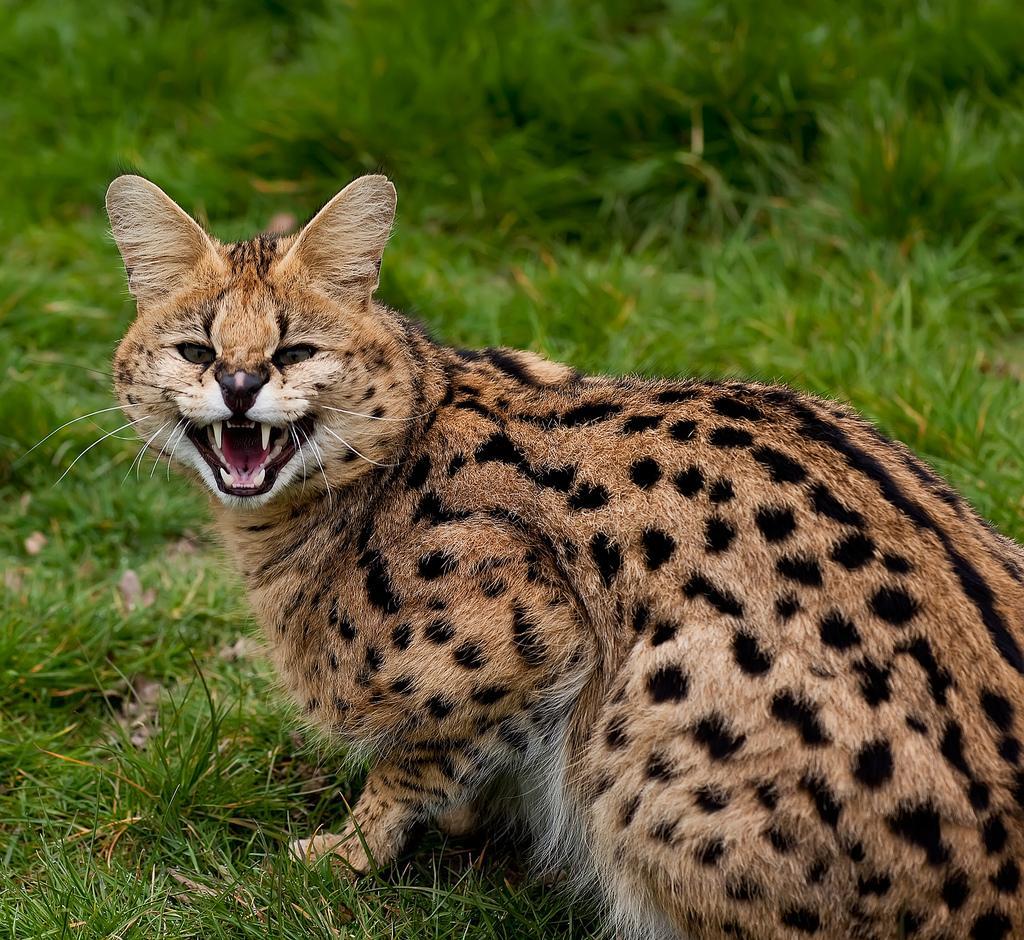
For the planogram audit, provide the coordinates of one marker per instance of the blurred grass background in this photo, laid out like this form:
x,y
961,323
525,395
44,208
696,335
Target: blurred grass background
x,y
825,192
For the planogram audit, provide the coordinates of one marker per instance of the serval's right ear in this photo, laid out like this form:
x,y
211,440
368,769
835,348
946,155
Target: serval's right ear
x,y
159,242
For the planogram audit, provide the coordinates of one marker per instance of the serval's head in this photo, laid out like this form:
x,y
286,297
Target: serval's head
x,y
262,366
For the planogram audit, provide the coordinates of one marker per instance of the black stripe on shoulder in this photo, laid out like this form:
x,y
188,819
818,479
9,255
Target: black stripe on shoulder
x,y
511,366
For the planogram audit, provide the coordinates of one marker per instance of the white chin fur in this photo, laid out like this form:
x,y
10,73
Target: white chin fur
x,y
188,455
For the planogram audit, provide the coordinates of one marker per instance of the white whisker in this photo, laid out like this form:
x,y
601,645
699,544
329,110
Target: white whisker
x,y
376,463
360,414
137,462
174,447
156,462
100,441
316,453
302,456
69,423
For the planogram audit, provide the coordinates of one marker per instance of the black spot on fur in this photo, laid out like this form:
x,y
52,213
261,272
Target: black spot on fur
x,y
589,496
615,733
663,832
628,811
689,482
786,607
897,564
743,890
838,632
873,764
994,835
711,852
876,885
824,503
952,747
939,679
893,605
781,841
489,694
723,602
500,448
1009,749
955,890
978,794
998,708
431,509
781,468
673,396
658,548
555,478
734,408
436,564
854,551
682,431
800,569
641,615
645,472
776,523
439,706
801,918
659,768
730,437
469,655
668,684
456,464
589,414
664,630
526,638
993,925
767,795
1007,879
718,534
721,491
403,685
711,799
920,825
801,715
401,636
607,556
825,802
749,654
419,472
714,733
638,423
439,631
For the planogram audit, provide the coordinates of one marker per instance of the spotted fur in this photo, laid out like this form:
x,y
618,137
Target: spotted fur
x,y
744,666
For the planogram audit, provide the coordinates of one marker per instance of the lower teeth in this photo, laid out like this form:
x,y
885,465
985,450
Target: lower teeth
x,y
254,483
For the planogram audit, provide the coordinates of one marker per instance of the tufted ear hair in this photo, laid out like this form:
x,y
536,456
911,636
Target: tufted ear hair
x,y
159,242
341,246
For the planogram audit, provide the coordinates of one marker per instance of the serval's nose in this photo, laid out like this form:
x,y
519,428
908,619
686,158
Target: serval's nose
x,y
239,389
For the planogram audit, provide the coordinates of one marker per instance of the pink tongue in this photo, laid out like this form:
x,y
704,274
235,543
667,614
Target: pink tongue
x,y
243,451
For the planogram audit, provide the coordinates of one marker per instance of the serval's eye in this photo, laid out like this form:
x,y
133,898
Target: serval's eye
x,y
292,355
197,353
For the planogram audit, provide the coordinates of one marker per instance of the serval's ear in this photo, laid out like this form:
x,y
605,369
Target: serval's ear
x,y
340,249
159,242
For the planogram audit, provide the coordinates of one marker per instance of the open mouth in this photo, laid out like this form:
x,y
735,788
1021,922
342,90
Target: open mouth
x,y
245,456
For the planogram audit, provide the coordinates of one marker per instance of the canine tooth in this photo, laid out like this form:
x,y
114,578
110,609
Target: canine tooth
x,y
265,433
260,476
228,479
218,432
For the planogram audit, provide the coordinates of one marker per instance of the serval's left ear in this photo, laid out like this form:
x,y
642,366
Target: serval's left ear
x,y
160,243
340,249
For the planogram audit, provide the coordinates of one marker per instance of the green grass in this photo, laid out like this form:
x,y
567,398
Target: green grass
x,y
827,193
